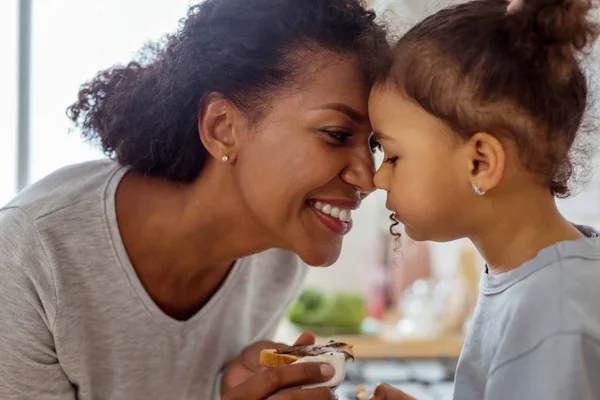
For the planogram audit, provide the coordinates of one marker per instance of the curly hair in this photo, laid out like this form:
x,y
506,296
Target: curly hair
x,y
145,114
515,72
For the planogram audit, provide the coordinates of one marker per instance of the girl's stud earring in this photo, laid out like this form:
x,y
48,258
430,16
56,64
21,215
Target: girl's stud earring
x,y
225,158
478,190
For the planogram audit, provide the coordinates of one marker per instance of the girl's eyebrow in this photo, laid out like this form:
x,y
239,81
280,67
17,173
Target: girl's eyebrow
x,y
382,136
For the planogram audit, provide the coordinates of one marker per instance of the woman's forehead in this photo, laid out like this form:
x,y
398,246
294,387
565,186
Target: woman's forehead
x,y
333,79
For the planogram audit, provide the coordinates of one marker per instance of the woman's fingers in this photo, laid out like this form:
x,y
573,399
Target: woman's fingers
x,y
306,394
265,384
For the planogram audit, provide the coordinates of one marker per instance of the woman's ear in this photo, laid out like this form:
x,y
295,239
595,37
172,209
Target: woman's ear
x,y
217,120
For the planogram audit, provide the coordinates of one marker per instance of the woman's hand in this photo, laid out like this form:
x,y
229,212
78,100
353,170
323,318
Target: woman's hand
x,y
268,384
245,377
386,392
246,365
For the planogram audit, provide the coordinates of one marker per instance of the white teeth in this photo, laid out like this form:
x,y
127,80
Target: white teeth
x,y
335,212
347,216
344,214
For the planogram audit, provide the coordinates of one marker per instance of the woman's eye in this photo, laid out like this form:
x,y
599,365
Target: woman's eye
x,y
391,160
375,145
340,136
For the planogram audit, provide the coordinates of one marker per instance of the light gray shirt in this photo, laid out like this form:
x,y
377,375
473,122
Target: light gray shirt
x,y
536,331
75,321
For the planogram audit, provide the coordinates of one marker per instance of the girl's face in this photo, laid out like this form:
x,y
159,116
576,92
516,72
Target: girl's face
x,y
425,170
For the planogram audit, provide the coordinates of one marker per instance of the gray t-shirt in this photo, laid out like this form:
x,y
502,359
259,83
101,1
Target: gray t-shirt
x,y
536,331
75,321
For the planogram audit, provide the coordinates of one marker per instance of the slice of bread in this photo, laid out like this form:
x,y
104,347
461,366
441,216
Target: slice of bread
x,y
270,358
289,355
362,393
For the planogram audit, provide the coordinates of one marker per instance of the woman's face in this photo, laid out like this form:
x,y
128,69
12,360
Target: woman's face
x,y
308,163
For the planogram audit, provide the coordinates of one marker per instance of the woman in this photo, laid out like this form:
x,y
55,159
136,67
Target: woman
x,y
241,143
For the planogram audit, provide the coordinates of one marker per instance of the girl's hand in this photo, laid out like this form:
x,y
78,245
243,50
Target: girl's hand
x,y
386,392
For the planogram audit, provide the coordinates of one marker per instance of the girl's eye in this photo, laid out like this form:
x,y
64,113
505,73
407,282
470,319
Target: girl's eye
x,y
391,160
375,145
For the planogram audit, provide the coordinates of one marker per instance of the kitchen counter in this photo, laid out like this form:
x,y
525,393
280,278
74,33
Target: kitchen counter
x,y
386,344
422,379
423,368
378,347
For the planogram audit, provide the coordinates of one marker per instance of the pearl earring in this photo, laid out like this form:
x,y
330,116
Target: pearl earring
x,y
225,158
478,190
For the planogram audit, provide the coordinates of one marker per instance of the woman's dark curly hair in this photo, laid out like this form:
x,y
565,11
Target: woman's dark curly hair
x,y
145,114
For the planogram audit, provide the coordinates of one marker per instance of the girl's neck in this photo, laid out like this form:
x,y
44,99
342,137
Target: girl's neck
x,y
520,228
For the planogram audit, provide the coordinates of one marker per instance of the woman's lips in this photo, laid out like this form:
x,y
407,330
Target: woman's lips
x,y
334,214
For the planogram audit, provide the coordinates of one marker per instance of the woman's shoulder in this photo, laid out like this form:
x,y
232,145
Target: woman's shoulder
x,y
65,187
24,271
51,216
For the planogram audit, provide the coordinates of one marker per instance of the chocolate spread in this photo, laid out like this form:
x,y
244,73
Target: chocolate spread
x,y
316,350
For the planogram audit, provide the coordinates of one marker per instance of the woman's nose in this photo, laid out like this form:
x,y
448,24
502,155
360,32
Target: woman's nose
x,y
359,173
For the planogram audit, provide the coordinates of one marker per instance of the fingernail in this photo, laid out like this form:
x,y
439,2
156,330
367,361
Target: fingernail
x,y
327,371
334,396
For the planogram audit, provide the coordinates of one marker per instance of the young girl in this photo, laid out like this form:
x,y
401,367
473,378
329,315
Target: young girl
x,y
478,116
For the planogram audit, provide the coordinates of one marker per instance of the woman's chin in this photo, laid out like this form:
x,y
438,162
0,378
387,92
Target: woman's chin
x,y
320,255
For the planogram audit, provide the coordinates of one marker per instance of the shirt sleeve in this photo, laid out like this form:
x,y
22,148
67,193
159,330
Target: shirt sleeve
x,y
217,395
29,366
562,367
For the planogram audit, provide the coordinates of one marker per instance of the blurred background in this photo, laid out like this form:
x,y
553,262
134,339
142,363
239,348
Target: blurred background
x,y
405,305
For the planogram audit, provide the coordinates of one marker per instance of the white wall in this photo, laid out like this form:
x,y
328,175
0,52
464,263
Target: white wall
x,y
71,41
8,98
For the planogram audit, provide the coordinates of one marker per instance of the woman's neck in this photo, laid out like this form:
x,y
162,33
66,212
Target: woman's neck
x,y
520,229
183,239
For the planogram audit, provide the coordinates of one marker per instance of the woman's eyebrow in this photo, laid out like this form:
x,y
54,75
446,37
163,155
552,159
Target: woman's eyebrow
x,y
353,114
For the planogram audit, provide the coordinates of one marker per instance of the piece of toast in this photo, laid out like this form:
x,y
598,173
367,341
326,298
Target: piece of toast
x,y
270,358
362,393
291,354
